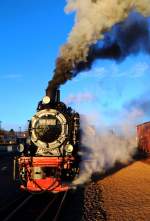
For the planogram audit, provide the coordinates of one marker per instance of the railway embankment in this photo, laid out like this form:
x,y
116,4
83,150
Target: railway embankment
x,y
126,193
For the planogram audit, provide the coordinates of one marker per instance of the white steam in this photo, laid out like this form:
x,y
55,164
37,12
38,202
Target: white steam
x,y
79,98
102,146
93,19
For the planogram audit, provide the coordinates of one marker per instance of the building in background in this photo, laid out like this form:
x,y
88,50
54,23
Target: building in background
x,y
12,137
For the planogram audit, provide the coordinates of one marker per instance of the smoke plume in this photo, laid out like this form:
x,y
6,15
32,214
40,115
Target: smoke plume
x,y
141,103
93,19
103,146
125,38
79,98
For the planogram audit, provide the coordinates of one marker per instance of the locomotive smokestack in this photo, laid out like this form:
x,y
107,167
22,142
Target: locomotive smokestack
x,y
57,95
53,94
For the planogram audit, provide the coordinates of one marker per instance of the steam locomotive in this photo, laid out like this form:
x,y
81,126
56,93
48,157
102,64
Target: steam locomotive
x,y
49,160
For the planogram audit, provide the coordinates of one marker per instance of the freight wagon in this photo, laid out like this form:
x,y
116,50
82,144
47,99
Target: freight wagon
x,y
143,137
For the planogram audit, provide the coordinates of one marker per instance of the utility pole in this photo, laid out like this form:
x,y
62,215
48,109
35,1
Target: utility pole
x,y
0,124
20,131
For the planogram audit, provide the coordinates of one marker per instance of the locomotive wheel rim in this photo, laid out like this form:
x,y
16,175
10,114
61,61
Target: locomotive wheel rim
x,y
59,141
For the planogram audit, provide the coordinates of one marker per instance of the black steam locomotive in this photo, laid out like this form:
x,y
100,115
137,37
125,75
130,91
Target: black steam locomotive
x,y
50,159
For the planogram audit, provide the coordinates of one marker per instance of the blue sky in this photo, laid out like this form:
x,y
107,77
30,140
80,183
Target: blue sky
x,y
32,32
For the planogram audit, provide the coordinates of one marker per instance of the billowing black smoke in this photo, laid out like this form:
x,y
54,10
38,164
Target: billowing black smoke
x,y
128,37
125,38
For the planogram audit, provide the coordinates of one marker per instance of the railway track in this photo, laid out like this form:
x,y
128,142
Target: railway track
x,y
10,208
34,207
53,208
25,206
3,166
5,161
2,161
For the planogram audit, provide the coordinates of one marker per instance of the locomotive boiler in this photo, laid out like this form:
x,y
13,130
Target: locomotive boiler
x,y
49,160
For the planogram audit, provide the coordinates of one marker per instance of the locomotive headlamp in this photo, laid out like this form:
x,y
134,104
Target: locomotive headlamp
x,y
46,100
69,148
20,148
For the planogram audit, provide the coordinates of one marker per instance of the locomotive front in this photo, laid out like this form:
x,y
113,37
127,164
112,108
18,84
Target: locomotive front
x,y
50,159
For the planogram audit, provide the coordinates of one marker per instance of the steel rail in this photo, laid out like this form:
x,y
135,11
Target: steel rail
x,y
3,167
17,208
60,207
46,208
10,203
2,161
